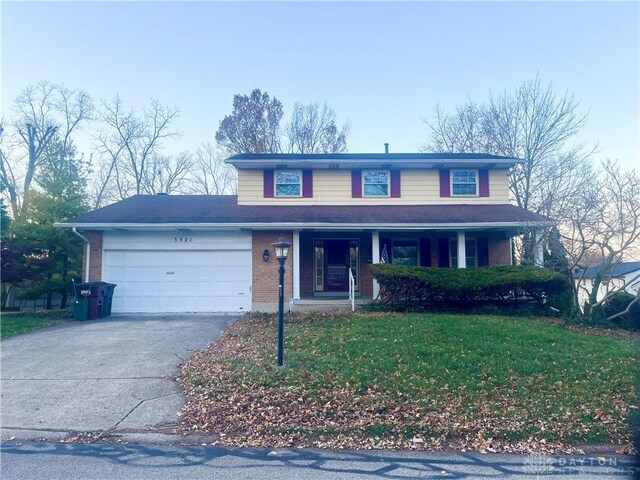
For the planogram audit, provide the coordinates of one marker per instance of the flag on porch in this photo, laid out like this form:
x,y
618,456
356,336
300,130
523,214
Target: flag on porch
x,y
384,258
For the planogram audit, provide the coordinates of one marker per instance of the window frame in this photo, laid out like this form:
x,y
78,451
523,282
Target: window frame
x,y
416,244
386,172
275,183
451,184
453,247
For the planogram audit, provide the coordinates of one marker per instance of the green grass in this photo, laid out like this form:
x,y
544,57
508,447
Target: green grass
x,y
16,323
544,370
432,375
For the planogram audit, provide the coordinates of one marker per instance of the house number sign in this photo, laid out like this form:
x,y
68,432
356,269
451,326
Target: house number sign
x,y
182,239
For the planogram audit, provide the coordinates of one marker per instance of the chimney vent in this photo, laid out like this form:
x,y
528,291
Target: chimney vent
x,y
386,148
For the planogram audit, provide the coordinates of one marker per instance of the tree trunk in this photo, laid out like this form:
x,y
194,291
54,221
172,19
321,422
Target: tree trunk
x,y
63,301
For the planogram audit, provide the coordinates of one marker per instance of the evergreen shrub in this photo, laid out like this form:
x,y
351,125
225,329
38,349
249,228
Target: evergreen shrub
x,y
420,288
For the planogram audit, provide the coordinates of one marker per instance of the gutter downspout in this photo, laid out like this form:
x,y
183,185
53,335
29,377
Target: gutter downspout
x,y
86,268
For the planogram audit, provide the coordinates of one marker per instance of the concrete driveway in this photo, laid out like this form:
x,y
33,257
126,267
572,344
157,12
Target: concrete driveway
x,y
110,374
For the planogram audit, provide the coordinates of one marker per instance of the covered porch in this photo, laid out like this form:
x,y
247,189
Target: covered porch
x,y
323,259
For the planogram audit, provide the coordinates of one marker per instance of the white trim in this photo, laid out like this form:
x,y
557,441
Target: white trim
x,y
538,255
452,171
296,264
374,170
375,258
462,249
301,225
275,182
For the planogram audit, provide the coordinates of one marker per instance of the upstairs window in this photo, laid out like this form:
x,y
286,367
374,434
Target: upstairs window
x,y
375,183
464,183
288,183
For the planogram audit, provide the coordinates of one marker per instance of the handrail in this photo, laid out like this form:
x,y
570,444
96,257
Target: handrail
x,y
352,290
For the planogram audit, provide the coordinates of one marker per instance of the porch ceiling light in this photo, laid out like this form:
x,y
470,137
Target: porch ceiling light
x,y
281,247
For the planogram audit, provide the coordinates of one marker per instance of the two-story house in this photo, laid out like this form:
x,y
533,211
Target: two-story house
x,y
341,212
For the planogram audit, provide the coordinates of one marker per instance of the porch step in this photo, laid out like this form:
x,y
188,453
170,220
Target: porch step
x,y
326,304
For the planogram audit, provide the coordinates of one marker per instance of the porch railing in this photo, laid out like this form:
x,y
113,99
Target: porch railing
x,y
352,290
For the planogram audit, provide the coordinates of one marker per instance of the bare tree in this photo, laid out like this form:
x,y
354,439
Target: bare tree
x,y
211,176
40,112
253,125
128,143
533,124
313,129
606,225
167,173
463,131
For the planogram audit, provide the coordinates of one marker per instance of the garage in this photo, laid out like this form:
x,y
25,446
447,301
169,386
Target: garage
x,y
178,271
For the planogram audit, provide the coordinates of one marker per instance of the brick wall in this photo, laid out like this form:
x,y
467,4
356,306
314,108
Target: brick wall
x,y
95,267
499,251
265,274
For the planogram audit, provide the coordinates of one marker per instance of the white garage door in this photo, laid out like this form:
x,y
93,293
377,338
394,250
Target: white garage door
x,y
185,277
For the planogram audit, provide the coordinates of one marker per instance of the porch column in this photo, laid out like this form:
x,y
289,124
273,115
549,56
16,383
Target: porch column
x,y
296,264
375,258
538,253
462,249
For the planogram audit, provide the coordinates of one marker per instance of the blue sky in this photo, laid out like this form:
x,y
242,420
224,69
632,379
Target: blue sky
x,y
383,66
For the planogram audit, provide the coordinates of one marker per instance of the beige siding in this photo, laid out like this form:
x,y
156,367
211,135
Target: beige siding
x,y
333,187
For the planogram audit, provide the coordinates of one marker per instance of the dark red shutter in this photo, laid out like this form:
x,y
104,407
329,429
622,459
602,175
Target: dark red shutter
x,y
356,183
483,183
445,189
307,183
268,183
395,183
425,252
483,252
443,252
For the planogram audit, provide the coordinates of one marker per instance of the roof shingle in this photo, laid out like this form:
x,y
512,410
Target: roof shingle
x,y
223,209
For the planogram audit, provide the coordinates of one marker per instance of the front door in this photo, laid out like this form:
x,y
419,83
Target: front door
x,y
333,258
337,265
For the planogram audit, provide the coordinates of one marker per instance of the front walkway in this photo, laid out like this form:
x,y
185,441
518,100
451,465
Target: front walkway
x,y
111,374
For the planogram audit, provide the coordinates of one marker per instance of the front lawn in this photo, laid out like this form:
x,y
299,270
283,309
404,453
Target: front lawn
x,y
15,323
419,381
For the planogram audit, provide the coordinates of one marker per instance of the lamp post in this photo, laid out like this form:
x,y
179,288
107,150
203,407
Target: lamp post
x,y
281,248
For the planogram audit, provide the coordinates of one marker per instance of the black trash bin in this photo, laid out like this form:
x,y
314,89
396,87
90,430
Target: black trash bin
x,y
94,293
108,299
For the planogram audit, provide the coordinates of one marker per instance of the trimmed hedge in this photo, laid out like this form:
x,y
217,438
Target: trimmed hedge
x,y
411,288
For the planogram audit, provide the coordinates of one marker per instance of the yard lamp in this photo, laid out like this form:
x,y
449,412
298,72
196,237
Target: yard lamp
x,y
281,248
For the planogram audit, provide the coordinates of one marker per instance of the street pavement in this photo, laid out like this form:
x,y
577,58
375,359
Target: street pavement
x,y
53,461
106,375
